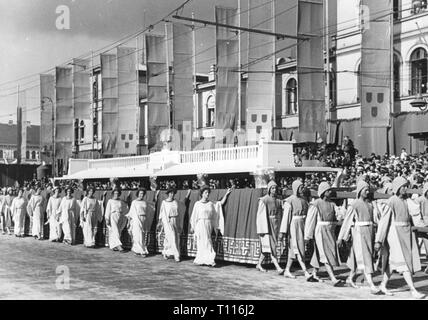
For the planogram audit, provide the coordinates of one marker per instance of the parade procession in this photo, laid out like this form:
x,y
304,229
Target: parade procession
x,y
278,140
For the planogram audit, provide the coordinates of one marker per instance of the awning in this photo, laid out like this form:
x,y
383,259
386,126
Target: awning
x,y
107,173
419,135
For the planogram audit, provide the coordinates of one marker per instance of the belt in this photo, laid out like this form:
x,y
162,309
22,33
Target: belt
x,y
401,224
363,223
298,217
326,223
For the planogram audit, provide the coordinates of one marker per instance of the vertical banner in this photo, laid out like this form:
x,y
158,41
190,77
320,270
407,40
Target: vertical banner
x,y
183,77
376,68
47,97
310,67
110,104
64,124
261,71
82,102
227,75
127,101
157,99
24,124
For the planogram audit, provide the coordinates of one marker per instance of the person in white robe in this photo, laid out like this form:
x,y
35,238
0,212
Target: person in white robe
x,y
90,216
115,216
69,217
395,229
35,209
53,211
6,213
19,211
204,220
140,217
171,222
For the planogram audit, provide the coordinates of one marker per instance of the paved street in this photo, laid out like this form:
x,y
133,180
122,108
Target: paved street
x,y
28,271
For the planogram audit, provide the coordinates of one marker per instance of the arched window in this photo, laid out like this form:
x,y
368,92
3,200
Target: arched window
x,y
419,72
291,97
397,65
359,83
33,155
210,111
27,154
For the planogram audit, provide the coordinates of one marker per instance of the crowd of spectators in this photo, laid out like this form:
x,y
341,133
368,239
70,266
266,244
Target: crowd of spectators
x,y
374,169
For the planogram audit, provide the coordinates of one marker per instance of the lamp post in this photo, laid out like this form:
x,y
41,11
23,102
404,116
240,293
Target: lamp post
x,y
53,133
420,102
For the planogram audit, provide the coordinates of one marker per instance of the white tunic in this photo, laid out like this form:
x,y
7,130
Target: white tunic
x,y
19,210
140,216
116,221
172,226
205,219
68,218
53,211
90,216
36,211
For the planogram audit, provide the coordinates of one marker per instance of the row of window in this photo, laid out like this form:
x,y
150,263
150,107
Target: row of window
x,y
33,155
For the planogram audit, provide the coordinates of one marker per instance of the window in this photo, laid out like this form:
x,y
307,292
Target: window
x,y
131,137
291,97
123,136
126,145
15,154
418,63
397,65
210,108
27,154
33,155
1,154
82,130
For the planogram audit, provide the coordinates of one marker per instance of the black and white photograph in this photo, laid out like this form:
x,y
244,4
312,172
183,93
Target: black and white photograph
x,y
227,151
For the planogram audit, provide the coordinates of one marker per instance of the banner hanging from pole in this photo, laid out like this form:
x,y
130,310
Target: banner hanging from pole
x,y
64,124
310,67
157,100
376,64
261,71
183,77
227,75
110,103
47,111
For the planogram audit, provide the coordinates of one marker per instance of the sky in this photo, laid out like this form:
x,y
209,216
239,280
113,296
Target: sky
x,y
31,43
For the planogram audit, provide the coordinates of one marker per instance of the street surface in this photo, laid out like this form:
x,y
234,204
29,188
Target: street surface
x,y
31,269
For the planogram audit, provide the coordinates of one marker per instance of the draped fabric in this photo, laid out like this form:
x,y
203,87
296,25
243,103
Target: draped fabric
x,y
183,77
110,103
376,68
227,79
157,98
261,71
47,97
310,67
22,126
64,118
128,104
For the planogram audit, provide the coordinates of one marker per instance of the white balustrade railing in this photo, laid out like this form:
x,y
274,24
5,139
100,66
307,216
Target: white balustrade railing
x,y
119,162
239,153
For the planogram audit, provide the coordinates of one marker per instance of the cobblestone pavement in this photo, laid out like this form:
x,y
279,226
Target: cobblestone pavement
x,y
28,270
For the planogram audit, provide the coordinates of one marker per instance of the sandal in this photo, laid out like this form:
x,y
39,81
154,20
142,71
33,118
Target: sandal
x,y
280,272
260,268
287,274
